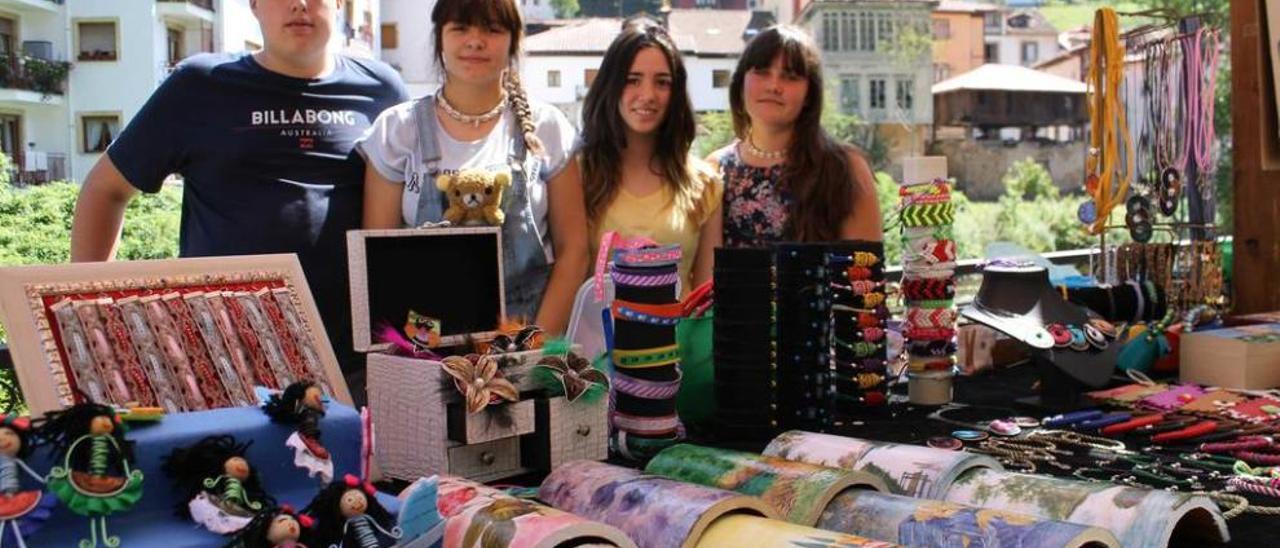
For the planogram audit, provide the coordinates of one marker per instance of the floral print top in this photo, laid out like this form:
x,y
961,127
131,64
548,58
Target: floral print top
x,y
756,206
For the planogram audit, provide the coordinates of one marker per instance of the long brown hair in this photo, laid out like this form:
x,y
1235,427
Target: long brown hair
x,y
604,133
504,14
817,171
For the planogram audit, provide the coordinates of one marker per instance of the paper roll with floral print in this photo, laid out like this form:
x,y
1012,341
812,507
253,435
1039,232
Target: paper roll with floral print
x,y
655,512
479,516
798,491
911,470
935,524
1140,518
757,532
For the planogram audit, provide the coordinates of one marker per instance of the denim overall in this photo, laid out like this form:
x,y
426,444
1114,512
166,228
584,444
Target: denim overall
x,y
525,261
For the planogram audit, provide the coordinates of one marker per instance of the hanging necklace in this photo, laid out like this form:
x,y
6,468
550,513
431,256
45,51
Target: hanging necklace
x,y
474,119
761,153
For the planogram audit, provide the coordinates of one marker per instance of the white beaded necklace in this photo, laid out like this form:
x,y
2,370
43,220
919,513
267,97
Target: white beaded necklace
x,y
763,154
473,119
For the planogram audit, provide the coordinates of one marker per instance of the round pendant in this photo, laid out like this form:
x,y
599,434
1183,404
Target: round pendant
x,y
1141,232
1026,422
1061,336
1004,428
1136,202
1170,190
1095,337
1091,183
943,442
1105,327
1088,213
970,435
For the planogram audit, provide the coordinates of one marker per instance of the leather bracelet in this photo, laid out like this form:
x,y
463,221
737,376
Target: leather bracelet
x,y
641,359
1131,424
1254,457
646,389
637,280
1244,444
1169,425
645,426
1067,419
1195,430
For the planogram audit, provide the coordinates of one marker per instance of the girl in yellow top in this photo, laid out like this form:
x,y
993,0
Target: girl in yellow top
x,y
634,165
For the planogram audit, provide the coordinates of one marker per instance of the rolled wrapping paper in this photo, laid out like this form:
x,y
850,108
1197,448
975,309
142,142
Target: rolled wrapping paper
x,y
935,524
797,490
740,530
481,516
1140,518
655,512
912,470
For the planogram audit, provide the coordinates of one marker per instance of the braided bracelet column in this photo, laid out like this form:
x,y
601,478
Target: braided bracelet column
x,y
856,327
643,351
928,280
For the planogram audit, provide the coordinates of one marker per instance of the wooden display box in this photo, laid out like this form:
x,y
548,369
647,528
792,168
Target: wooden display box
x,y
1245,357
453,275
184,334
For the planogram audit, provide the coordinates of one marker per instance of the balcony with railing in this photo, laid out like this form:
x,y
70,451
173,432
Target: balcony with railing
x,y
28,79
33,167
189,12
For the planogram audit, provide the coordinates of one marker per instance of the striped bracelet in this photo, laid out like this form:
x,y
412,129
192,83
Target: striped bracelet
x,y
622,310
645,426
648,256
645,389
649,357
640,280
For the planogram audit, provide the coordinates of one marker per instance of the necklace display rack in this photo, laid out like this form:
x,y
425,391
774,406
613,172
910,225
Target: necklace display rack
x,y
1167,50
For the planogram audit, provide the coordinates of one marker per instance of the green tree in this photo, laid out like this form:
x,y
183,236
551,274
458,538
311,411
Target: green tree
x,y
566,9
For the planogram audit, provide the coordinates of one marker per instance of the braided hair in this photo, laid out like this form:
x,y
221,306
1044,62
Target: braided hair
x,y
191,466
504,14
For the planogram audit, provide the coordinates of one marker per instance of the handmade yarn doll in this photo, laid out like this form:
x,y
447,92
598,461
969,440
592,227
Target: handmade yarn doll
x,y
274,528
302,403
349,516
93,473
220,489
21,511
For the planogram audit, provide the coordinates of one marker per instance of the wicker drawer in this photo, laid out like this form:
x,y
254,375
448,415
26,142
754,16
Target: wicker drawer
x,y
485,459
495,422
576,430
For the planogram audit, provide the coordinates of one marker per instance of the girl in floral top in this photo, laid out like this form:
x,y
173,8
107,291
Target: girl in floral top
x,y
786,178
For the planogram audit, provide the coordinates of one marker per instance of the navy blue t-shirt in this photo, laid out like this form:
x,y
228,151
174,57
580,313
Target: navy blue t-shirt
x,y
268,161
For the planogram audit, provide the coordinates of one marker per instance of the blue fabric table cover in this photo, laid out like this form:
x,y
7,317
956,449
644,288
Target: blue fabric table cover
x,y
153,522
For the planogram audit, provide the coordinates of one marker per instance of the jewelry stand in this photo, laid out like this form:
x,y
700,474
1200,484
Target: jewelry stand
x,y
1059,392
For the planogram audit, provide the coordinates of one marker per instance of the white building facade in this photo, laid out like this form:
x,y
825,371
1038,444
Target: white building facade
x,y
117,52
1019,37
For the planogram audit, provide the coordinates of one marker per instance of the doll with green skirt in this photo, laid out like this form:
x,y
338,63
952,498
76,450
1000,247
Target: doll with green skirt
x,y
93,474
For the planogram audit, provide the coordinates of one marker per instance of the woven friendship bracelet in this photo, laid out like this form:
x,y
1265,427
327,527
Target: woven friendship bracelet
x,y
648,256
921,199
929,250
936,232
644,389
937,186
931,318
921,334
928,289
645,426
930,364
638,359
929,215
868,301
638,280
932,348
930,304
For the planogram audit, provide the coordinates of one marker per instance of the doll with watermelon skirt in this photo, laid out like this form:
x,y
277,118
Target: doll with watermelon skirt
x,y
22,511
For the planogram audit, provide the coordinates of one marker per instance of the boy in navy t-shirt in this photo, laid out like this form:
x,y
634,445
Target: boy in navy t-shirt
x,y
265,145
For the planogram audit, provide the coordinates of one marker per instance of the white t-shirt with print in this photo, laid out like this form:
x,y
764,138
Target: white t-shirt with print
x,y
390,146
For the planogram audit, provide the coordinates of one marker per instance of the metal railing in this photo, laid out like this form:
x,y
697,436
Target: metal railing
x,y
206,4
52,168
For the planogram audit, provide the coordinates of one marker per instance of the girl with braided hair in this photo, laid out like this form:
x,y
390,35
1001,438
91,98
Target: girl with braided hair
x,y
93,475
481,118
221,489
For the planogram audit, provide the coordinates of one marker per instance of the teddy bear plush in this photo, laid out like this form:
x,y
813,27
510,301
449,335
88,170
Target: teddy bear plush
x,y
475,196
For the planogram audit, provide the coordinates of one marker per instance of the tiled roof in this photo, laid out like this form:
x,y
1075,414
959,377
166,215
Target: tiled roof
x,y
993,77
